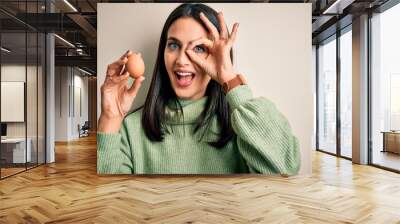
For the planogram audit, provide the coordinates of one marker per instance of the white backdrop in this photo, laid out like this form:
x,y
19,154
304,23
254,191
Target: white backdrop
x,y
273,51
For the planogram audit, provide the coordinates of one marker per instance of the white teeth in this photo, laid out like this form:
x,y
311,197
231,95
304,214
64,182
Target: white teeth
x,y
184,73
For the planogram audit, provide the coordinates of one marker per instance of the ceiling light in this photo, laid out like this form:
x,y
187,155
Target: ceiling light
x,y
70,5
64,40
337,7
84,71
5,50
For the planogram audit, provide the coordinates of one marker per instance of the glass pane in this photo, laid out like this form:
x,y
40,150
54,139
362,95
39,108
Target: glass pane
x,y
41,98
22,88
386,89
31,97
346,94
327,97
13,84
31,85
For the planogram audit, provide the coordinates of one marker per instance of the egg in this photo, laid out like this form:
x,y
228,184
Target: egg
x,y
135,65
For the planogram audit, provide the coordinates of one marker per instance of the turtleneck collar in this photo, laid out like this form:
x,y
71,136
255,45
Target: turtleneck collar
x,y
191,110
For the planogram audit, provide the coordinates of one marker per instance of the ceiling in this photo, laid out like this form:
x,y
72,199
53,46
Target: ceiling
x,y
76,22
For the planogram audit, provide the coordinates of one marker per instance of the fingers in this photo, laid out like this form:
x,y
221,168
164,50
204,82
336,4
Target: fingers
x,y
202,40
221,21
124,58
134,89
117,79
232,38
224,31
196,58
213,30
127,53
116,67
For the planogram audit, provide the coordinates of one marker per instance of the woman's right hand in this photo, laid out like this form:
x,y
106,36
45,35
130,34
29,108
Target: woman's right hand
x,y
116,96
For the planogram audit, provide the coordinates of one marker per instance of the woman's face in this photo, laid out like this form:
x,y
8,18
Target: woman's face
x,y
187,79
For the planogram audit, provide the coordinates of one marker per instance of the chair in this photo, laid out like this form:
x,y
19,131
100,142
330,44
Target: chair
x,y
84,130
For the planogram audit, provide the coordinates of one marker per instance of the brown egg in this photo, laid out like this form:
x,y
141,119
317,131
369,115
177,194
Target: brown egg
x,y
135,65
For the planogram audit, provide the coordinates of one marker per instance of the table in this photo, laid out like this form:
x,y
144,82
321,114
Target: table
x,y
15,148
391,141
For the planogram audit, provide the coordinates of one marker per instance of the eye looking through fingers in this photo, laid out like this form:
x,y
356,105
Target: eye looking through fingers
x,y
200,49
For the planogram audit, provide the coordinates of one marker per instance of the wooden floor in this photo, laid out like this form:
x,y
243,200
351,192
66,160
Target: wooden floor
x,y
5,172
387,159
10,171
70,191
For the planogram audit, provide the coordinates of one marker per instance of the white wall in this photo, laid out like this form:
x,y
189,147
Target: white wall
x,y
273,51
61,103
16,73
67,116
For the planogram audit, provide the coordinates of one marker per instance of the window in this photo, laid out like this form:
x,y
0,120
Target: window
x,y
346,93
327,96
22,66
385,88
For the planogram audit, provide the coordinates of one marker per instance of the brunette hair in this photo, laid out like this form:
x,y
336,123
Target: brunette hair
x,y
161,91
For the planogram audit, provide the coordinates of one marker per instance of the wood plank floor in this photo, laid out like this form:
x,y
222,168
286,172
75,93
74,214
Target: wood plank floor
x,y
10,171
70,191
388,159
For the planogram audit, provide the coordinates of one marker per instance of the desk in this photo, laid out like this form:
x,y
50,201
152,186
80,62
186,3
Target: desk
x,y
391,141
15,148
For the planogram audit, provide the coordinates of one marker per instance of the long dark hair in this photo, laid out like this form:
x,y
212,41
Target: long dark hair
x,y
161,91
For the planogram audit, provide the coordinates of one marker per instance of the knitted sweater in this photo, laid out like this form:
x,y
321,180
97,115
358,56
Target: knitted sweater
x,y
264,142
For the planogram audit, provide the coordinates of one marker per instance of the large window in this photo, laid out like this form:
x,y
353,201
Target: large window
x,y
335,73
385,88
327,96
346,93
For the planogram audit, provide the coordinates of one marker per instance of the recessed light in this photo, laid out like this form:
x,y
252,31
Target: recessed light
x,y
70,5
64,40
84,71
5,50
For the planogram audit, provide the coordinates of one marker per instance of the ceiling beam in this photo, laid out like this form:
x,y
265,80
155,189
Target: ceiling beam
x,y
82,61
84,24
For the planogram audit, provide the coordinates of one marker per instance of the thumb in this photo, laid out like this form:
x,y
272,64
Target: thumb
x,y
134,89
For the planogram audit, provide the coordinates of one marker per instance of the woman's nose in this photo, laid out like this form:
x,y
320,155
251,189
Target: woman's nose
x,y
183,59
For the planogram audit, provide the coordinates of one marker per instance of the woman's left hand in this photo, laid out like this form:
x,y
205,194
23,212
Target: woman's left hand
x,y
217,64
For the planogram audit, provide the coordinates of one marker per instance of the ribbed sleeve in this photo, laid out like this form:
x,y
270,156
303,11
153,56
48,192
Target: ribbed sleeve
x,y
264,137
114,155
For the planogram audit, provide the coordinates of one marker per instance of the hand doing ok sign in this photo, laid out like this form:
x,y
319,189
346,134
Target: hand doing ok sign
x,y
217,64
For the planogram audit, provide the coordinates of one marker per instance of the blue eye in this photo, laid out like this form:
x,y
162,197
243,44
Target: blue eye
x,y
172,45
199,49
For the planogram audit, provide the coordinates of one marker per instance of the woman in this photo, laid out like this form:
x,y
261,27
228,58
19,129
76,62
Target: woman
x,y
199,116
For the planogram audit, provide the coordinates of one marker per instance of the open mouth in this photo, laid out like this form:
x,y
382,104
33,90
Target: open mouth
x,y
184,79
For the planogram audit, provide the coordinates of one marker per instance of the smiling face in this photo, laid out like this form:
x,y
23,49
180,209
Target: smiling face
x,y
187,79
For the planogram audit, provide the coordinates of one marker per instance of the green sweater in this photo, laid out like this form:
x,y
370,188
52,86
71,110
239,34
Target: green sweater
x,y
264,142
